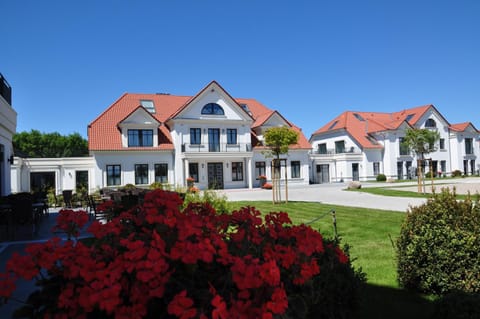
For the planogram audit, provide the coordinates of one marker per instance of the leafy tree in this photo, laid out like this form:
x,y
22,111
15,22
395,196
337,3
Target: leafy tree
x,y
421,142
43,145
278,139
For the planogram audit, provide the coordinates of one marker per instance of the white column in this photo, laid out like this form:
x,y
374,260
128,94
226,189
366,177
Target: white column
x,y
249,165
187,172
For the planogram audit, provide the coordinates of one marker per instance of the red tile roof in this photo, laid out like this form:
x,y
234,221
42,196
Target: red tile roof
x,y
103,133
361,125
461,127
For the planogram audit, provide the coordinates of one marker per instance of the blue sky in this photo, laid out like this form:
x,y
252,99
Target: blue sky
x,y
67,61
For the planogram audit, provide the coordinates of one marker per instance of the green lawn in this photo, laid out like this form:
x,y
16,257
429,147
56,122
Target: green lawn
x,y
370,233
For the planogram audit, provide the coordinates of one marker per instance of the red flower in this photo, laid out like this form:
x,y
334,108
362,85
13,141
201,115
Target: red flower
x,y
181,306
342,258
220,308
279,302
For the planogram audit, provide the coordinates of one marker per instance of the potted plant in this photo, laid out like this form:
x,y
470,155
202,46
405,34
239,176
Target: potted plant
x,y
190,181
263,180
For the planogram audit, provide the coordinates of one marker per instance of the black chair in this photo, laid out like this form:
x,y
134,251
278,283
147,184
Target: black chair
x,y
24,218
67,198
6,225
129,201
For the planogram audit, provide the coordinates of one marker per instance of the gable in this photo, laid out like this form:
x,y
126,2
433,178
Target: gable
x,y
215,95
140,117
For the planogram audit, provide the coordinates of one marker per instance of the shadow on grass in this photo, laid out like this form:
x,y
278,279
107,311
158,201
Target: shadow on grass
x,y
385,302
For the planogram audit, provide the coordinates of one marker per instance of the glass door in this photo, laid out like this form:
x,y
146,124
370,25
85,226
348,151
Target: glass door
x,y
214,140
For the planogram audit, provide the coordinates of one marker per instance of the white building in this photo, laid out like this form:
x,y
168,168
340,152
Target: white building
x,y
361,145
212,137
8,127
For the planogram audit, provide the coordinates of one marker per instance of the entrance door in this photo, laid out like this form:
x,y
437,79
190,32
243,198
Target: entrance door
x,y
323,173
215,175
214,140
355,172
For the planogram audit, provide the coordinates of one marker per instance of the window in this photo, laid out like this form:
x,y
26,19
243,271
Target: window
x,y
141,174
468,145
213,109
148,105
231,136
409,117
443,166
161,173
403,149
193,171
295,165
376,168
140,138
322,148
430,123
442,144
333,125
259,169
340,147
237,171
195,136
113,175
359,117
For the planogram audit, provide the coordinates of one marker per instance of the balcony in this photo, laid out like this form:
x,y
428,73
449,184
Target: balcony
x,y
332,152
216,148
5,89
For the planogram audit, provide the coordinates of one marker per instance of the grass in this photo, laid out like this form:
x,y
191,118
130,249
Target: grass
x,y
371,234
397,192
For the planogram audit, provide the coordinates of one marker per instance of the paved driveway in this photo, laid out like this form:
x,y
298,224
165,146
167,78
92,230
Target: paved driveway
x,y
329,194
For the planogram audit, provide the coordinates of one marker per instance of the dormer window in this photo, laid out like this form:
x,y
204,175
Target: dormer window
x,y
148,105
140,138
213,109
430,123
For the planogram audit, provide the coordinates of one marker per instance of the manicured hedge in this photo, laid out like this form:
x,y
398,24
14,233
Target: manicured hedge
x,y
439,246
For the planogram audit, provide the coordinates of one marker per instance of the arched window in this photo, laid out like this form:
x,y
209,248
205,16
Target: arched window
x,y
213,108
430,123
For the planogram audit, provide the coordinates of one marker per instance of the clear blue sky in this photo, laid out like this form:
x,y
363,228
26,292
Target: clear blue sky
x,y
67,61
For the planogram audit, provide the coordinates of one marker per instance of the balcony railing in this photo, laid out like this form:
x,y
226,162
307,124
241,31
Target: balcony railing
x,y
220,147
5,89
331,152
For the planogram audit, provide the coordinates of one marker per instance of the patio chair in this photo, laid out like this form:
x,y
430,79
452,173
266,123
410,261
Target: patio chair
x,y
67,198
24,218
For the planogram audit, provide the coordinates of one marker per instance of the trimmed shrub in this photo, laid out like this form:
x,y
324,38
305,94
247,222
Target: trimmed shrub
x,y
457,305
218,201
438,248
457,173
381,178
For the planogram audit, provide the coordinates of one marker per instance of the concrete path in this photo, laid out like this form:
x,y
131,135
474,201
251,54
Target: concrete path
x,y
329,194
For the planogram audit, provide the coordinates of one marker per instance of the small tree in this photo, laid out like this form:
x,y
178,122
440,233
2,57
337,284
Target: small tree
x,y
279,139
421,142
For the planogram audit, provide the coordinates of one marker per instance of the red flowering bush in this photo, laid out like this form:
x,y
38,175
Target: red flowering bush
x,y
156,261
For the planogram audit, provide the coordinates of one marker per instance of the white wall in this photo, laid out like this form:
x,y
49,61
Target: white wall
x,y
127,161
8,126
64,169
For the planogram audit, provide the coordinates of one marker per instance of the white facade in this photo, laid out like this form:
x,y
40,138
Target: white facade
x,y
214,148
30,174
338,156
8,127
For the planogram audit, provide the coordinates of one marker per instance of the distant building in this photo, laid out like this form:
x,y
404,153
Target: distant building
x,y
8,127
361,145
211,137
